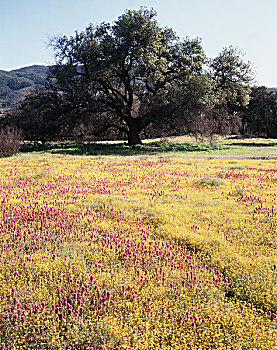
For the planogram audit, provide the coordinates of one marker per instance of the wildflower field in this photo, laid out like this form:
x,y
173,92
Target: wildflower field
x,y
145,253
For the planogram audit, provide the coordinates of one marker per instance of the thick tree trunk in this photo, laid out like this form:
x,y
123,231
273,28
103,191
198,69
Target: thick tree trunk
x,y
134,132
134,138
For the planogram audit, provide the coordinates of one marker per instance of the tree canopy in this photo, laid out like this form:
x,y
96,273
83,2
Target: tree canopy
x,y
260,117
133,76
128,71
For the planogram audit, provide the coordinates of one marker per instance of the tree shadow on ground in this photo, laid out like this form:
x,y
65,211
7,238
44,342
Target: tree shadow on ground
x,y
117,149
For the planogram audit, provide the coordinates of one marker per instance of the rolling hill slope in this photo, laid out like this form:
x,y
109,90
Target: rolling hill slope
x,y
16,84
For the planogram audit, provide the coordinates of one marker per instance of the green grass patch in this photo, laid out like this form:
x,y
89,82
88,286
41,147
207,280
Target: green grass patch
x,y
164,147
210,181
120,148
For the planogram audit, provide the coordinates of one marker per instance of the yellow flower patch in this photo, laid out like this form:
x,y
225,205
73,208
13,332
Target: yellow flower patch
x,y
137,253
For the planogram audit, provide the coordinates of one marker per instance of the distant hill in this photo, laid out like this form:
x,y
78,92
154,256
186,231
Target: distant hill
x,y
272,89
16,84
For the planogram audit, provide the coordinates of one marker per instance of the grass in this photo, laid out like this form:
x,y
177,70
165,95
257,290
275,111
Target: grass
x,y
121,148
210,181
163,147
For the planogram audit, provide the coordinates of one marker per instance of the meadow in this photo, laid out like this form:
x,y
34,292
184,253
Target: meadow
x,y
137,253
171,146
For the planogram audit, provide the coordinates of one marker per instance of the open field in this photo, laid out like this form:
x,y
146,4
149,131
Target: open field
x,y
138,253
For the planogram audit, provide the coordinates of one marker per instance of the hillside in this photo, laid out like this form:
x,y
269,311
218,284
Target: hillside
x,y
16,84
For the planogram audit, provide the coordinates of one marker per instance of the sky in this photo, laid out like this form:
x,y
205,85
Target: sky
x,y
26,27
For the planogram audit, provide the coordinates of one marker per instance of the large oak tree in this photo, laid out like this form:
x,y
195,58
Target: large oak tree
x,y
125,73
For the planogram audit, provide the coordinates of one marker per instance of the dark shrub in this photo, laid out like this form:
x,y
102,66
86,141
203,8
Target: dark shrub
x,y
10,141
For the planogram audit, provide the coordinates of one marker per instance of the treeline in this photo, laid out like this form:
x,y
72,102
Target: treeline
x,y
133,79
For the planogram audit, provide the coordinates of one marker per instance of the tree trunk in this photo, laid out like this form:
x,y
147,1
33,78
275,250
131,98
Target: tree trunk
x,y
134,138
134,132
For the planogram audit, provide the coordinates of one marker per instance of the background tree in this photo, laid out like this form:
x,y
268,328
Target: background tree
x,y
196,100
39,117
128,71
260,118
214,102
233,77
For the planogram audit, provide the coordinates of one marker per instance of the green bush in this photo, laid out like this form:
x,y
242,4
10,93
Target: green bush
x,y
210,181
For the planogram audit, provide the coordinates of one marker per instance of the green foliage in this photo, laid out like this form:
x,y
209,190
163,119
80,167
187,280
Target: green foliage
x,y
168,146
233,76
212,103
236,167
126,73
38,117
260,117
210,181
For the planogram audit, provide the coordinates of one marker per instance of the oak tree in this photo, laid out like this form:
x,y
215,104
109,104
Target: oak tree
x,y
127,72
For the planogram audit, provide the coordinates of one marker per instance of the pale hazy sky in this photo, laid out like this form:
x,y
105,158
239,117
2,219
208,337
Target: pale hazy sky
x,y
251,25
